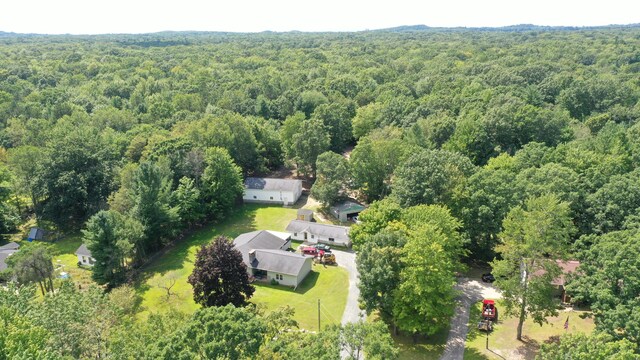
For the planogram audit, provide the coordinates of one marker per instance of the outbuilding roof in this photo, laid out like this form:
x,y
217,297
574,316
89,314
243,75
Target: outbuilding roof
x,y
272,184
36,234
6,251
10,246
83,251
339,233
348,207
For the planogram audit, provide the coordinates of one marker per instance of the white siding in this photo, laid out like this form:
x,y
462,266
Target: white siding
x,y
305,270
286,280
314,239
273,197
86,260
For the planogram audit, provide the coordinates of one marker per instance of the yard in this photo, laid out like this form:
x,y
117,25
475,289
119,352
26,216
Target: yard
x,y
64,257
503,343
430,348
329,284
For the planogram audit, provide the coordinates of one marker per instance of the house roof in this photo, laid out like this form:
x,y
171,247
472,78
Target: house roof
x,y
261,239
83,251
305,212
348,207
567,267
280,261
266,240
272,184
329,231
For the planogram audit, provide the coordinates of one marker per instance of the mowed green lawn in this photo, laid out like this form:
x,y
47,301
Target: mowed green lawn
x,y
330,284
64,258
503,343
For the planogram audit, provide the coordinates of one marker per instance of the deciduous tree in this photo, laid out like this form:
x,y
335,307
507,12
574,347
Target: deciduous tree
x,y
219,276
534,237
332,179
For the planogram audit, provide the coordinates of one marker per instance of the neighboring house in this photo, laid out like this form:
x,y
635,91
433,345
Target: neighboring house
x,y
35,234
266,256
567,267
305,214
346,211
84,256
6,251
274,191
319,233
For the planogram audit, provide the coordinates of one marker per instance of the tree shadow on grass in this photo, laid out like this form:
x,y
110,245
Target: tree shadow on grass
x,y
528,348
474,354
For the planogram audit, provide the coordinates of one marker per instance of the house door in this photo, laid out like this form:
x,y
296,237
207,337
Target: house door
x,y
305,236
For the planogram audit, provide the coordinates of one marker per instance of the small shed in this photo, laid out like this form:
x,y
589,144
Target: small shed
x,y
35,234
346,210
84,256
305,215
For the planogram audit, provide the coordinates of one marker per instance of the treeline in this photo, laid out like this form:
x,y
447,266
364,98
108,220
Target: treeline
x,y
87,324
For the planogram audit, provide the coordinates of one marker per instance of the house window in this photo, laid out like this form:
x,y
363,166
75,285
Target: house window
x,y
279,277
270,197
84,259
255,197
312,236
295,234
332,239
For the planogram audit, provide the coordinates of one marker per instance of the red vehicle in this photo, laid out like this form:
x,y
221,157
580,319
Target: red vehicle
x,y
489,310
489,315
309,250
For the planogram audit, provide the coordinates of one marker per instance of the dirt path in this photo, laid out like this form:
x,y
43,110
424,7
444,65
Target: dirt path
x,y
472,291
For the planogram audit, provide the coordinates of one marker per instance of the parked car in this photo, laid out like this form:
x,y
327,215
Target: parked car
x,y
488,277
322,247
308,250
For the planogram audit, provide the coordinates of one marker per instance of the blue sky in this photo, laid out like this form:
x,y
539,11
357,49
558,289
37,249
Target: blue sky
x,y
139,16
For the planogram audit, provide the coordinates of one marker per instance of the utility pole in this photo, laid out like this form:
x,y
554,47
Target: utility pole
x,y
487,338
318,315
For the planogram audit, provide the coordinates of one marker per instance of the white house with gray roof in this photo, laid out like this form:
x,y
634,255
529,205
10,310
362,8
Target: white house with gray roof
x,y
266,256
84,256
272,191
6,251
314,233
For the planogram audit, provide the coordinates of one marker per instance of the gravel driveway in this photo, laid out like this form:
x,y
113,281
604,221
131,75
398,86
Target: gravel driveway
x,y
347,260
472,291
352,313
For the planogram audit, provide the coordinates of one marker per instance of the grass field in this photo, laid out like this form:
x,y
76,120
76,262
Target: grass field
x,y
425,349
430,348
64,258
503,343
329,284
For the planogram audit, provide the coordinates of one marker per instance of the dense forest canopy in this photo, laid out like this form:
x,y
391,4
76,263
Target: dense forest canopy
x,y
134,138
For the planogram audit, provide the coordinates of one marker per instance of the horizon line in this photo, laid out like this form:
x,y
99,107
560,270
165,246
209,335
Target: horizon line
x,y
416,27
